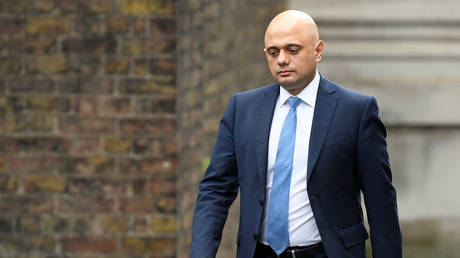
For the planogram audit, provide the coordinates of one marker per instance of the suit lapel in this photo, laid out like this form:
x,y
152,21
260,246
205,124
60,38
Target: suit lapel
x,y
326,103
265,107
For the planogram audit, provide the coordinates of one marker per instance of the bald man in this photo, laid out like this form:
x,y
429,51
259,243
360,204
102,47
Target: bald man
x,y
300,152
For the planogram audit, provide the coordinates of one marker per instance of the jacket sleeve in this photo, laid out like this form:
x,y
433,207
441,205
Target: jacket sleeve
x,y
217,190
375,178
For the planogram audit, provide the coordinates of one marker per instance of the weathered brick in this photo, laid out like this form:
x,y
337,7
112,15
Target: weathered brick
x,y
10,66
148,46
89,244
138,186
117,25
152,127
32,85
47,26
43,6
148,165
117,106
160,186
140,26
28,224
11,25
45,183
140,224
118,145
6,225
34,144
87,65
140,66
28,204
87,106
48,65
85,225
91,86
163,224
115,224
156,106
38,46
55,224
32,243
84,145
147,86
16,6
94,164
97,186
148,245
162,66
93,45
141,7
38,103
32,164
88,25
116,65
163,27
86,125
139,205
86,204
38,122
8,183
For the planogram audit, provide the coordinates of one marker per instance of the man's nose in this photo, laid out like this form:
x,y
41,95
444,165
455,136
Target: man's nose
x,y
283,58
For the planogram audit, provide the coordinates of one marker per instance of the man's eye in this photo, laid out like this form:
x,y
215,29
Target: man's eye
x,y
273,52
293,50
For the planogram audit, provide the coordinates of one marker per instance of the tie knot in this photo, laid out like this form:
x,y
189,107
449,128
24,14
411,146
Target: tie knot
x,y
294,102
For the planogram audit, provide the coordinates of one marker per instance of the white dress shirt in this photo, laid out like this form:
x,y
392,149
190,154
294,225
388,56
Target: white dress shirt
x,y
302,225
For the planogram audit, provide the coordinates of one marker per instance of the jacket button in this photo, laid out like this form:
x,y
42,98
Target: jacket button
x,y
261,202
254,236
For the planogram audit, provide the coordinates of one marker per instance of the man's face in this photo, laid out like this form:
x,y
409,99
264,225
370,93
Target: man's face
x,y
292,52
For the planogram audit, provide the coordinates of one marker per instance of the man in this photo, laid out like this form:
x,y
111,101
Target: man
x,y
301,152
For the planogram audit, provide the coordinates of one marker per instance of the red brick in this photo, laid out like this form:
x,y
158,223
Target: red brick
x,y
148,166
86,125
139,205
89,244
93,45
86,204
161,186
87,106
117,106
151,127
31,164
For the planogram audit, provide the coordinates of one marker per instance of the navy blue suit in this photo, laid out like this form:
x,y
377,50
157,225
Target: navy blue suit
x,y
347,155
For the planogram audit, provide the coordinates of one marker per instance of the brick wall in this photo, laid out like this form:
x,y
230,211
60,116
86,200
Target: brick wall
x,y
87,128
220,52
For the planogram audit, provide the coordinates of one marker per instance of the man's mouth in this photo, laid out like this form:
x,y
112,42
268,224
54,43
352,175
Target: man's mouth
x,y
284,72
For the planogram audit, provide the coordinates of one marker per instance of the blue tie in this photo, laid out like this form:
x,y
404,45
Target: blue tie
x,y
278,211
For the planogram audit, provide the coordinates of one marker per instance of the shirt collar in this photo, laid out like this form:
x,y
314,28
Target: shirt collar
x,y
307,95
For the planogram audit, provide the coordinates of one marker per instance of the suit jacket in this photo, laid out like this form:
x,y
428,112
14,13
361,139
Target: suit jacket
x,y
347,156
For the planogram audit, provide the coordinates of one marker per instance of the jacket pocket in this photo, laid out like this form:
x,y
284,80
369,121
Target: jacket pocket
x,y
353,235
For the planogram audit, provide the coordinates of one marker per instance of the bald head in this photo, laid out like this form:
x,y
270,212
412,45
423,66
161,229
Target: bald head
x,y
293,49
293,20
